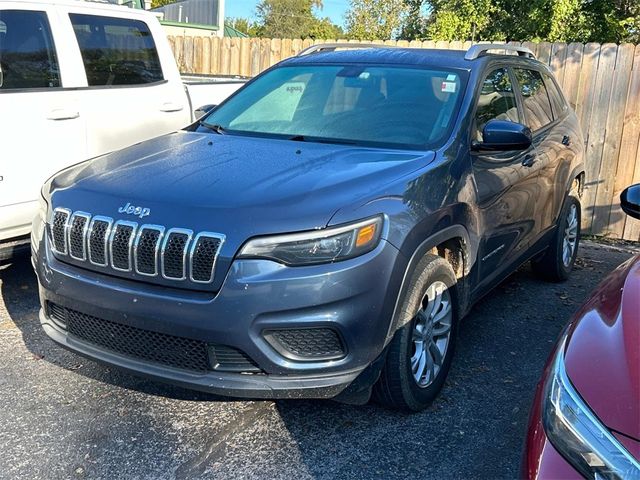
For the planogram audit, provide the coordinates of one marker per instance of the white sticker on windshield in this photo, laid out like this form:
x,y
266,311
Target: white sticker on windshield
x,y
449,87
451,77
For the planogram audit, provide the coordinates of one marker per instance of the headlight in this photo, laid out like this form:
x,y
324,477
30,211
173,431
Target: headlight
x,y
319,246
578,435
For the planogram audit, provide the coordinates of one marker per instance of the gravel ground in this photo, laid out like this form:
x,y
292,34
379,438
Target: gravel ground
x,y
62,416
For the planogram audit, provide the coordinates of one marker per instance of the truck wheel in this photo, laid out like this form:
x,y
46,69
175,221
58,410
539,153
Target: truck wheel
x,y
419,355
557,262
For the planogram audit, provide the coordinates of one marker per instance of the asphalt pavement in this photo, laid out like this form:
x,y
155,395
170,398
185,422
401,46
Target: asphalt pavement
x,y
63,416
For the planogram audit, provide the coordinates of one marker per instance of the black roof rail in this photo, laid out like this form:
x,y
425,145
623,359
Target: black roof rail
x,y
480,49
330,47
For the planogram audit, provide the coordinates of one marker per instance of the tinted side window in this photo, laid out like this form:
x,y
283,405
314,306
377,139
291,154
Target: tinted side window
x,y
558,103
27,55
537,106
497,101
116,51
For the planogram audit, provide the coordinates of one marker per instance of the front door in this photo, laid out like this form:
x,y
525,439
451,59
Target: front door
x,y
506,183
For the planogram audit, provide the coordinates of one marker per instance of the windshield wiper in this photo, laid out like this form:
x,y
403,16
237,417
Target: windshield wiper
x,y
302,138
219,129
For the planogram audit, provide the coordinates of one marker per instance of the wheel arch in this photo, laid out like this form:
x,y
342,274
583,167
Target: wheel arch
x,y
453,243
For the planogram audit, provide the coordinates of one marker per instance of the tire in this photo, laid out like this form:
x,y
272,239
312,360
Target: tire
x,y
557,262
400,386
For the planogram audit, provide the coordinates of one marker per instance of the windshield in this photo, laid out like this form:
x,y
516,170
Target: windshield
x,y
368,105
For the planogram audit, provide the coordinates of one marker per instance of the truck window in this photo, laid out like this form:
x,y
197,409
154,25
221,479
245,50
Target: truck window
x,y
537,107
27,54
116,51
497,101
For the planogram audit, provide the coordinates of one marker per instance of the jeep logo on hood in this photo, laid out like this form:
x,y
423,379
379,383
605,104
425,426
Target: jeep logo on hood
x,y
132,210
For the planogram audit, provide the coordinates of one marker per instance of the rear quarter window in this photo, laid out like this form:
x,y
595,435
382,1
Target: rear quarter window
x,y
116,51
558,102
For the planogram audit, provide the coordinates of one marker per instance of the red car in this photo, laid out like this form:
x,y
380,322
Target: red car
x,y
585,419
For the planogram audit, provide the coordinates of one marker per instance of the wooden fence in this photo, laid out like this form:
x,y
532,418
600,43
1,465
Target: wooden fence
x,y
601,82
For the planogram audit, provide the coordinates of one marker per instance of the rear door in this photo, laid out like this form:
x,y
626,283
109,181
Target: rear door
x,y
552,154
132,95
506,182
41,127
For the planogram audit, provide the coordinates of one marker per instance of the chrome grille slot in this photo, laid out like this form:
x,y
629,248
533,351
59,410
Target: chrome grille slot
x,y
203,256
99,230
146,249
78,226
121,242
174,253
59,230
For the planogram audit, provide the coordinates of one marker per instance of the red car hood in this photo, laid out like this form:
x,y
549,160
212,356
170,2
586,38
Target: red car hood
x,y
603,355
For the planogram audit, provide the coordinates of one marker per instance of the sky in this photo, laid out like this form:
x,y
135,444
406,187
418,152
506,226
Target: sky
x,y
334,9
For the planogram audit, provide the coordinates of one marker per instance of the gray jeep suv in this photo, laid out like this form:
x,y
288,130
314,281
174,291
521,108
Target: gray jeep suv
x,y
323,231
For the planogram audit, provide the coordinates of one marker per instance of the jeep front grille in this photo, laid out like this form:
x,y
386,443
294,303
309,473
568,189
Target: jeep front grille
x,y
148,250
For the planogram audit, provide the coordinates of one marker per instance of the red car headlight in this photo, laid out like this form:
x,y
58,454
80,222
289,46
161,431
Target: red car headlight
x,y
576,432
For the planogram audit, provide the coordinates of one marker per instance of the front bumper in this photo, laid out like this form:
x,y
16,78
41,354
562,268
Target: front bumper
x,y
354,297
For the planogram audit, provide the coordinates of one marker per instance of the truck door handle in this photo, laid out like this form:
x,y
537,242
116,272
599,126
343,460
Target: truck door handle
x,y
171,107
566,140
529,160
62,114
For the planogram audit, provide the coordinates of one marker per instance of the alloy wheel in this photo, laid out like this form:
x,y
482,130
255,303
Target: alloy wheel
x,y
570,236
431,334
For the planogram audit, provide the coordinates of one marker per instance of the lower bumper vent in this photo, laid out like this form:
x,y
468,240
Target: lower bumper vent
x,y
307,343
156,347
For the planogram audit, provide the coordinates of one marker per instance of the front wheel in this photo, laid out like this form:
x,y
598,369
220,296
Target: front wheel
x,y
557,262
420,353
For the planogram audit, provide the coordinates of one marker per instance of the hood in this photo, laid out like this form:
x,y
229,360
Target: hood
x,y
603,355
238,186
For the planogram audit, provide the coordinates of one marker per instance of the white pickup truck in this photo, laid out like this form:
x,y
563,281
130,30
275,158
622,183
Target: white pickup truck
x,y
78,80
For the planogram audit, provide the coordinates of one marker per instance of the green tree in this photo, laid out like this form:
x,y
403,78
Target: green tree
x,y
375,19
460,19
286,18
521,20
323,28
244,25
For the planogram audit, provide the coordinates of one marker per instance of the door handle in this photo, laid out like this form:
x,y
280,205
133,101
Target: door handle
x,y
529,160
171,107
566,140
62,114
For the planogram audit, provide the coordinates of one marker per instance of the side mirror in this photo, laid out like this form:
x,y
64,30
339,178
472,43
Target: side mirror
x,y
501,135
203,110
630,201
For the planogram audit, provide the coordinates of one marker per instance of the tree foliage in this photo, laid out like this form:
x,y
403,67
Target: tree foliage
x,y
375,19
520,20
244,25
293,19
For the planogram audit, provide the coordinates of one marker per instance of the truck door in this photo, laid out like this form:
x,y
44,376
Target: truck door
x,y
506,183
134,90
41,129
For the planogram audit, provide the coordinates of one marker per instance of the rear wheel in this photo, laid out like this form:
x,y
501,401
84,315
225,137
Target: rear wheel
x,y
420,353
557,262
